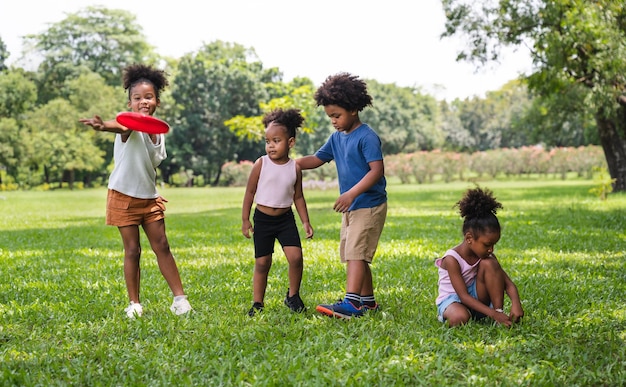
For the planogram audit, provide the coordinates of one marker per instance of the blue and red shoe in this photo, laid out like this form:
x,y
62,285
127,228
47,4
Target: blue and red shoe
x,y
343,309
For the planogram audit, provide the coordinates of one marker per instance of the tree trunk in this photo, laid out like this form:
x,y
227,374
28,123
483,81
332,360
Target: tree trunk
x,y
614,147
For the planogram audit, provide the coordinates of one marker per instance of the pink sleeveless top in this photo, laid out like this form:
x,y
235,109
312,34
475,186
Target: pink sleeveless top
x,y
467,271
276,185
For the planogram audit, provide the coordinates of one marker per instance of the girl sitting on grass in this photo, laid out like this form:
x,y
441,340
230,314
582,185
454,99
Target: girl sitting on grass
x,y
471,281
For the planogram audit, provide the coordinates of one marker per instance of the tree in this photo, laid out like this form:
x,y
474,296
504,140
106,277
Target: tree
x,y
94,39
573,43
4,54
18,94
58,145
217,83
405,119
297,94
457,137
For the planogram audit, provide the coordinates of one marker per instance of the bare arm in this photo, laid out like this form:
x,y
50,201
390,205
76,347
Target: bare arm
x,y
376,172
300,202
248,198
106,126
516,304
309,162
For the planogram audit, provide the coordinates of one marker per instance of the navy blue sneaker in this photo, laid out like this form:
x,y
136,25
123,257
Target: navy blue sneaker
x,y
371,309
343,309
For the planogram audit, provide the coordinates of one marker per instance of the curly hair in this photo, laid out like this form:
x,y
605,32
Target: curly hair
x,y
478,207
137,73
344,90
290,119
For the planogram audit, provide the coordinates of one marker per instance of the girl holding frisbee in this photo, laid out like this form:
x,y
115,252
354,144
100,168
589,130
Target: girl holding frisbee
x,y
132,199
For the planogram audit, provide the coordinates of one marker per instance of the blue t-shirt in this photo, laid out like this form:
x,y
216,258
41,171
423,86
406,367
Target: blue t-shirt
x,y
352,153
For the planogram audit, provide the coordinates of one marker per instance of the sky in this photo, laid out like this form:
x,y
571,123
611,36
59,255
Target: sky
x,y
392,41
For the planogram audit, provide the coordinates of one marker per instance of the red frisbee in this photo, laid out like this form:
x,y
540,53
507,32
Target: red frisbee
x,y
142,123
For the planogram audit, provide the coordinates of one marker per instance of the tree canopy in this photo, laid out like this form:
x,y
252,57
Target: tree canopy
x,y
578,50
218,94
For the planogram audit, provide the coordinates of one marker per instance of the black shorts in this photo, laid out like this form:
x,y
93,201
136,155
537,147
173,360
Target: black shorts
x,y
269,228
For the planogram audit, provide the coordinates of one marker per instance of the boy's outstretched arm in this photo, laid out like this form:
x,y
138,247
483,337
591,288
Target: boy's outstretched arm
x,y
309,162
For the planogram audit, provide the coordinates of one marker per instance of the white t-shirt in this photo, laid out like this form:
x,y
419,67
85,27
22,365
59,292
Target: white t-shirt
x,y
134,173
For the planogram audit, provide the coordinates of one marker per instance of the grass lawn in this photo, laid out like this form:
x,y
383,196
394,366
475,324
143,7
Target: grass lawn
x,y
62,295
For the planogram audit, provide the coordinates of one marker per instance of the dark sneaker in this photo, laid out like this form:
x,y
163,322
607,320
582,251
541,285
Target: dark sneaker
x,y
371,309
294,303
343,309
257,307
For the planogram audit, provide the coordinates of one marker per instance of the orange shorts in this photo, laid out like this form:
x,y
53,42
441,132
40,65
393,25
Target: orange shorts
x,y
360,233
124,210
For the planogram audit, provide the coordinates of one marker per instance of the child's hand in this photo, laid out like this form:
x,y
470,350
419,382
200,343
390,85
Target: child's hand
x,y
502,318
308,229
246,228
516,313
95,122
343,203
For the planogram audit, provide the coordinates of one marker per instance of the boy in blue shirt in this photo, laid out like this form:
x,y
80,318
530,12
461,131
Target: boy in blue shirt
x,y
357,152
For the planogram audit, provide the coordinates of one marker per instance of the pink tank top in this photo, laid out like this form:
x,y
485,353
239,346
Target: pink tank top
x,y
276,185
467,271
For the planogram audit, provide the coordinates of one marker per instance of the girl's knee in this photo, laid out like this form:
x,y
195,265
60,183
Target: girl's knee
x,y
489,266
457,314
262,264
133,253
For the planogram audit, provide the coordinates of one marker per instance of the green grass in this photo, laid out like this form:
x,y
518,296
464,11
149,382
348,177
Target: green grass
x,y
62,295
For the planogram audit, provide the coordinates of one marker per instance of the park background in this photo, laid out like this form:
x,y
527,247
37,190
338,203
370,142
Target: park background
x,y
61,292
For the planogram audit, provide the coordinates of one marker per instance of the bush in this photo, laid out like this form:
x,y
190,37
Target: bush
x,y
236,174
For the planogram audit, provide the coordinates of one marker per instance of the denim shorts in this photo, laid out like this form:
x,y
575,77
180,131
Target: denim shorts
x,y
443,305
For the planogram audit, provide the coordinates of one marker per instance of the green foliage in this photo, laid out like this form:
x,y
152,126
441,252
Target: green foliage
x,y
94,39
579,52
404,118
219,93
18,94
604,183
62,295
4,54
212,86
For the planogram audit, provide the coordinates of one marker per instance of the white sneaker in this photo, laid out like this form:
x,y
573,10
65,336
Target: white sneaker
x,y
134,310
181,306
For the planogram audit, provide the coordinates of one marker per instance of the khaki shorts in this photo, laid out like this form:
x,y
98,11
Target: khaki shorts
x,y
124,210
360,233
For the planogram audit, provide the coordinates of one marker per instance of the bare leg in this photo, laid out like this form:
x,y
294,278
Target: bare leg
x,y
356,276
490,283
132,254
155,232
368,284
262,267
294,258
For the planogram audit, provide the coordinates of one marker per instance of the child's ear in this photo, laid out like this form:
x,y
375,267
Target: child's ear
x,y
468,237
292,142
